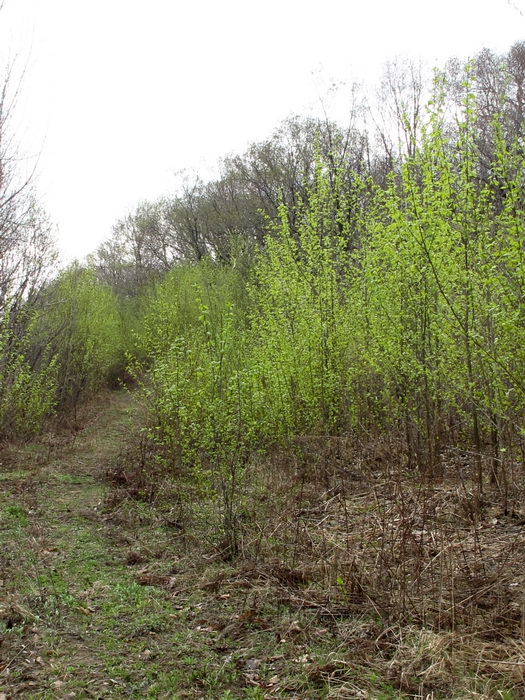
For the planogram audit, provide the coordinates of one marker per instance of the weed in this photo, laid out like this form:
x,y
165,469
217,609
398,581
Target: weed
x,y
18,513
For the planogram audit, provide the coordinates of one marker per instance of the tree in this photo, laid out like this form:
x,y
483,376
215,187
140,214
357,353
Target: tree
x,y
27,259
400,103
141,247
27,248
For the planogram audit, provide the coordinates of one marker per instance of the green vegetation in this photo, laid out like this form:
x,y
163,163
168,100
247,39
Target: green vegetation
x,y
320,493
414,330
82,316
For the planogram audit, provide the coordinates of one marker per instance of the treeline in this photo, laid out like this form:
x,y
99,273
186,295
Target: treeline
x,y
219,217
332,281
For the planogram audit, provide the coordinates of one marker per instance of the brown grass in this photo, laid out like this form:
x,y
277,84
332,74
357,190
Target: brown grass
x,y
354,577
410,580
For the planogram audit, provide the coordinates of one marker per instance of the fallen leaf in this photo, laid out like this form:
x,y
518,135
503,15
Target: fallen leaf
x,y
295,627
252,679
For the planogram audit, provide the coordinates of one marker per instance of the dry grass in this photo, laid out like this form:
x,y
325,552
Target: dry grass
x,y
419,589
353,579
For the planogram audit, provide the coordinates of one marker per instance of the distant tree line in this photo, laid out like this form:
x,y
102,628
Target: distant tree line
x,y
231,214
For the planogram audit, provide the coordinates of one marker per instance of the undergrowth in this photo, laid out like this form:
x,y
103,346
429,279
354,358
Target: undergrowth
x,y
353,577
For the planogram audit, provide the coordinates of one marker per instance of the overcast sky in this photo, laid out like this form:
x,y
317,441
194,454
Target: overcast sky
x,y
120,94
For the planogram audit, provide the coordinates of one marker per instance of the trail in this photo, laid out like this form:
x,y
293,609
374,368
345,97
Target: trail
x,y
103,594
70,607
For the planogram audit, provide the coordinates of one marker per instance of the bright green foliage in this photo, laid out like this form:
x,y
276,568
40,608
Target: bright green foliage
x,y
194,338
65,345
443,277
83,314
232,371
416,287
27,387
409,320
199,385
170,309
299,323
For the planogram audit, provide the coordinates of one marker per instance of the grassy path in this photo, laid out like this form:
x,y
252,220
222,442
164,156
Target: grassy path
x,y
109,599
102,596
74,622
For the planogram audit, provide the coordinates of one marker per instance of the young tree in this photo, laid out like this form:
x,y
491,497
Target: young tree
x,y
27,259
27,249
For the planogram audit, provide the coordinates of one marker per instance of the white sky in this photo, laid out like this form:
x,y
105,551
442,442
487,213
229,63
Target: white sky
x,y
120,94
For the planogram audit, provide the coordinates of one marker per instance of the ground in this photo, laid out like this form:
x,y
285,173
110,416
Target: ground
x,y
119,579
